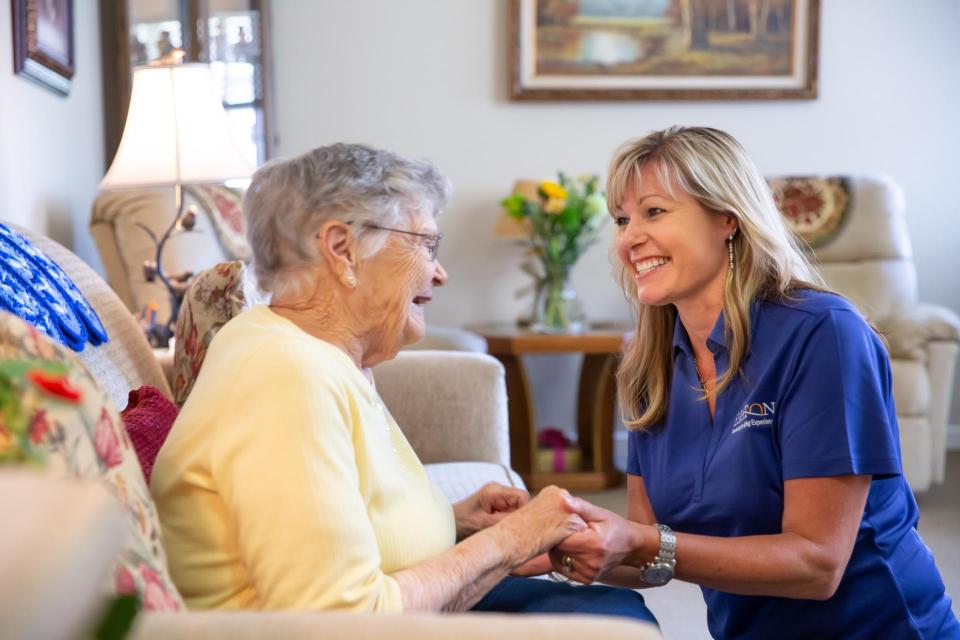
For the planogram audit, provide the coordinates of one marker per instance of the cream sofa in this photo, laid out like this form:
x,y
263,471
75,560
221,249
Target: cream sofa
x,y
59,539
869,259
451,405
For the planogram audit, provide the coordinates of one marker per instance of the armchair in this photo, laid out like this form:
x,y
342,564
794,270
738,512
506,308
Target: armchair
x,y
858,231
217,237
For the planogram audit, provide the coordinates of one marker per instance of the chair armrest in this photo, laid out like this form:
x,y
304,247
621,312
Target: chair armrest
x,y
908,330
451,405
58,541
450,339
290,625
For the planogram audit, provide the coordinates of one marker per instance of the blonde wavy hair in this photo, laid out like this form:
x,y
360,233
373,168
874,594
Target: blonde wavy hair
x,y
713,168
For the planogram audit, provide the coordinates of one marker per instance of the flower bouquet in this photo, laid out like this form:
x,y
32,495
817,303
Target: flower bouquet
x,y
562,219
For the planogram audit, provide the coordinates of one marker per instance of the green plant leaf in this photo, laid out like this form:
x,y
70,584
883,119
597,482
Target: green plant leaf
x,y
514,206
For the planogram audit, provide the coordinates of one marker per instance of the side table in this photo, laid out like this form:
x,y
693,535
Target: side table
x,y
600,346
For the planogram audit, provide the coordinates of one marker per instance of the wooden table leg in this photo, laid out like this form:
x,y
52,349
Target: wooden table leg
x,y
595,407
523,432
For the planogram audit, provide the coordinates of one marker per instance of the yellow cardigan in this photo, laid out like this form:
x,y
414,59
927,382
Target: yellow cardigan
x,y
286,484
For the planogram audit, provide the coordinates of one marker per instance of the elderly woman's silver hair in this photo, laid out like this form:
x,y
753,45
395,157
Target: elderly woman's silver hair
x,y
289,200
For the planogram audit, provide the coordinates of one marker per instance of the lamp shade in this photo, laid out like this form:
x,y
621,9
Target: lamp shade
x,y
176,132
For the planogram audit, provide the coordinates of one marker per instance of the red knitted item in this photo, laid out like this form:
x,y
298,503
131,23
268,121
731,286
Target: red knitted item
x,y
148,418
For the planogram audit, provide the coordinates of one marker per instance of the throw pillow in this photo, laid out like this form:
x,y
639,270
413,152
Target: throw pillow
x,y
214,297
148,418
814,208
55,414
35,288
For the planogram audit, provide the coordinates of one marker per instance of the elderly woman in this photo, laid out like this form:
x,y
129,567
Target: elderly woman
x,y
285,483
763,426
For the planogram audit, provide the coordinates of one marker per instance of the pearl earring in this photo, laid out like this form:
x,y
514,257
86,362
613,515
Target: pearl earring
x,y
730,248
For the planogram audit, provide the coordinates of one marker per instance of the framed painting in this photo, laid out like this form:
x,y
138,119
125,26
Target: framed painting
x,y
663,49
43,42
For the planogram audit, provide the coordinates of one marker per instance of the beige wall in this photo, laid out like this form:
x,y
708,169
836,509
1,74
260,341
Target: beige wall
x,y
427,78
51,147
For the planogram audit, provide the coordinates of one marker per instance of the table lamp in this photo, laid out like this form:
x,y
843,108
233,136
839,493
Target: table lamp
x,y
176,134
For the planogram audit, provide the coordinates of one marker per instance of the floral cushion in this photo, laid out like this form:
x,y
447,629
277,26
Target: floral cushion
x,y
56,415
814,208
214,297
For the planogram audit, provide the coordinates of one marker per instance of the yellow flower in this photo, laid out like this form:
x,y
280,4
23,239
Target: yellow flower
x,y
553,191
555,205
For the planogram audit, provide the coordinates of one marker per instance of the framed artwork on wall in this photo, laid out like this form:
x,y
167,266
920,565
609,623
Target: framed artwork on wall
x,y
663,49
43,47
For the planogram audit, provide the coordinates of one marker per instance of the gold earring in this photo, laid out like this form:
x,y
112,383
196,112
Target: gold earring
x,y
350,280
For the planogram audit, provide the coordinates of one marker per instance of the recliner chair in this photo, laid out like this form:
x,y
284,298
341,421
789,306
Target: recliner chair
x,y
858,232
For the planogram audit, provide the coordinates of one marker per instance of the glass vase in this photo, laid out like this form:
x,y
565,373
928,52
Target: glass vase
x,y
558,310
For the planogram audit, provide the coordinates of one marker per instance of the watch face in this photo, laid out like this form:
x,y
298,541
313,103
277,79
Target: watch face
x,y
657,574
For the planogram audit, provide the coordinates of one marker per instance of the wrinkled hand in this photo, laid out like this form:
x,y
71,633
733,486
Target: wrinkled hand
x,y
607,541
536,566
539,525
487,507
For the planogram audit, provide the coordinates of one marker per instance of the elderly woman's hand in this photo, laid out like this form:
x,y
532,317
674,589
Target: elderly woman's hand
x,y
539,525
487,507
536,566
608,541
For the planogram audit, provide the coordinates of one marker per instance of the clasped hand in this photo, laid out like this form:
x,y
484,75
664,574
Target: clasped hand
x,y
553,525
608,541
487,507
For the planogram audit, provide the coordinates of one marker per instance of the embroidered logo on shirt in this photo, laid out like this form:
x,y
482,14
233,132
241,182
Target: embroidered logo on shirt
x,y
755,414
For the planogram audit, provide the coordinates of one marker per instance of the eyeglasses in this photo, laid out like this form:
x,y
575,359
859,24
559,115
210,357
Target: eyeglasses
x,y
432,240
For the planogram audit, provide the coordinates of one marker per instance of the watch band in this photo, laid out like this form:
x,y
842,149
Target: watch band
x,y
660,570
668,546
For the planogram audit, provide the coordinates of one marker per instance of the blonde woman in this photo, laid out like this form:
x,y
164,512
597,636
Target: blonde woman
x,y
762,418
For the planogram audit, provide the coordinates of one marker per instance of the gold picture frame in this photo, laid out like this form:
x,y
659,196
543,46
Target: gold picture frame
x,y
663,49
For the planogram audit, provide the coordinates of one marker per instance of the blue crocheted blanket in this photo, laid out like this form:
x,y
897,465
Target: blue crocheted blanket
x,y
35,288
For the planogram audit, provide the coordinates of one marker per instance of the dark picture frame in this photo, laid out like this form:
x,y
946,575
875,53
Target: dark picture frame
x,y
43,43
753,50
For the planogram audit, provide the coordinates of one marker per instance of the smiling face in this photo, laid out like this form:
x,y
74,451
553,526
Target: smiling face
x,y
674,248
394,286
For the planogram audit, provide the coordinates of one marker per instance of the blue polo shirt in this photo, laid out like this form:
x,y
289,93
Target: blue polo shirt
x,y
815,399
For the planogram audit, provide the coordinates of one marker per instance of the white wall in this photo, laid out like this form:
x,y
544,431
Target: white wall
x,y
428,78
51,147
